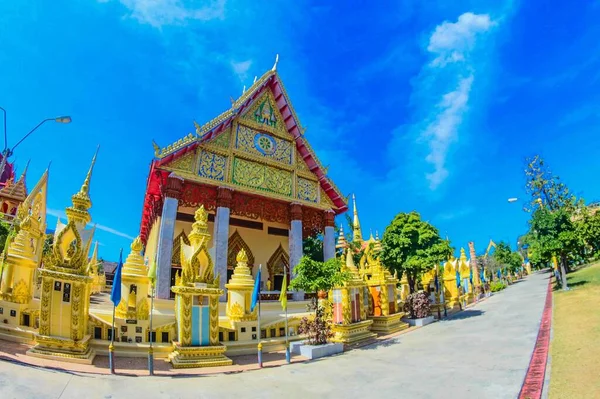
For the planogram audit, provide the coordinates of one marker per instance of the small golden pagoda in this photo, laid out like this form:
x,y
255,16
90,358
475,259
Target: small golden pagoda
x,y
21,258
98,279
66,286
350,303
197,295
239,292
465,275
383,308
135,305
451,295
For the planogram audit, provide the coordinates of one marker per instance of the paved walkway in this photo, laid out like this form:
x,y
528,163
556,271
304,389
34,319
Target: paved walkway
x,y
481,353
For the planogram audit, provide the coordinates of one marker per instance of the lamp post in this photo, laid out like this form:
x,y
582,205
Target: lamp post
x,y
7,152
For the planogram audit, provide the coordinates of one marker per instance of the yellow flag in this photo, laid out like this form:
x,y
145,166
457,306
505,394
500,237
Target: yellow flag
x,y
152,273
283,295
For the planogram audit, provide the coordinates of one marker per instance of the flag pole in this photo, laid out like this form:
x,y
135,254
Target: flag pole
x,y
260,363
150,348
287,341
111,347
437,289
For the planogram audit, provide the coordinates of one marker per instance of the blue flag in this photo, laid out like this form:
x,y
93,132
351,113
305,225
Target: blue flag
x,y
437,282
115,294
256,290
499,273
457,279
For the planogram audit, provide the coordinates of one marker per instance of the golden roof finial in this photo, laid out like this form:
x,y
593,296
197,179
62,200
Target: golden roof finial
x,y
199,227
357,234
276,62
242,257
463,255
85,188
24,171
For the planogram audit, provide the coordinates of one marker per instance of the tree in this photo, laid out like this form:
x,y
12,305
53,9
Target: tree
x,y
545,188
314,276
48,242
506,258
588,229
4,232
554,234
313,247
412,246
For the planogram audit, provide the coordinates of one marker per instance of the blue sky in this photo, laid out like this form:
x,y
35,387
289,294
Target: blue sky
x,y
414,107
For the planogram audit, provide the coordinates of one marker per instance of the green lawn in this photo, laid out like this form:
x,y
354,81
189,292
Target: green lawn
x,y
575,347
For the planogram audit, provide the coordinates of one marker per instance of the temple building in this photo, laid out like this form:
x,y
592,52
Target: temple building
x,y
258,178
12,194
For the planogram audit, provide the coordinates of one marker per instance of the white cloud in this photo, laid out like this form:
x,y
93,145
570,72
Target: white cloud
x,y
166,12
451,41
241,69
444,86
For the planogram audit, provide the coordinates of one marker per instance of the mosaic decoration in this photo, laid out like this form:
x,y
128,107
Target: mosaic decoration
x,y
194,195
212,166
307,190
312,221
222,140
264,114
300,164
185,163
264,145
325,200
262,177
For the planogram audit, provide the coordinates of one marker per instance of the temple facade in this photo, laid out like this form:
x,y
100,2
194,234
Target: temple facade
x,y
261,183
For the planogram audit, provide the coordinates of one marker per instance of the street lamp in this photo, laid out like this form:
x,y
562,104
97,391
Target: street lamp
x,y
7,152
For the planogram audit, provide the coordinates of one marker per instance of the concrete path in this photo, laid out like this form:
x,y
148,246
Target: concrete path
x,y
481,353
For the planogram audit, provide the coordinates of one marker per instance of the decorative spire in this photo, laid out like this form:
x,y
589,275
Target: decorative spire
x,y
463,255
93,264
24,171
81,200
199,227
376,235
341,243
276,61
371,238
135,265
357,234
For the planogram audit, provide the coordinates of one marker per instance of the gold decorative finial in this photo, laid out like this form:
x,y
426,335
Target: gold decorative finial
x,y
85,188
25,171
242,257
357,234
156,148
136,245
276,61
201,215
341,243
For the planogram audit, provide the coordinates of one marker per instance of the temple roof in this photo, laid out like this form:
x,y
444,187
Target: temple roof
x,y
16,191
220,124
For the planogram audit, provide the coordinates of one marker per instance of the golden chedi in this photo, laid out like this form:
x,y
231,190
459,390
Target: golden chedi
x,y
135,284
197,295
20,259
66,286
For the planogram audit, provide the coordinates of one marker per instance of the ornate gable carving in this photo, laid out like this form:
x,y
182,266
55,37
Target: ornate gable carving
x,y
264,115
183,164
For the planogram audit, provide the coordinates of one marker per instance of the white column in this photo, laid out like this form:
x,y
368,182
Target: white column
x,y
221,237
295,242
329,243
165,248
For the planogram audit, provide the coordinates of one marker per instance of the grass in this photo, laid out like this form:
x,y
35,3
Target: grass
x,y
575,346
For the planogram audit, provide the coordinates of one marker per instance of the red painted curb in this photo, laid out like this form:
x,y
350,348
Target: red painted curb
x,y
534,379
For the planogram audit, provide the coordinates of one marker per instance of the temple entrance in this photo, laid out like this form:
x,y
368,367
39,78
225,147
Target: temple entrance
x,y
278,267
235,244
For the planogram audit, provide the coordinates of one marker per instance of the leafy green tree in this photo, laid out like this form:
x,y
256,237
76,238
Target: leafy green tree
x,y
313,247
588,229
4,232
505,257
554,234
545,188
48,242
412,246
314,276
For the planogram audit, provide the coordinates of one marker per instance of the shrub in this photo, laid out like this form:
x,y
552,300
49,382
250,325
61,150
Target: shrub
x,y
497,286
317,330
417,305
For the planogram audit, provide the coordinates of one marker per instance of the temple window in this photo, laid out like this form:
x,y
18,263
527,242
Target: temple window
x,y
273,332
338,315
243,329
231,336
221,336
165,336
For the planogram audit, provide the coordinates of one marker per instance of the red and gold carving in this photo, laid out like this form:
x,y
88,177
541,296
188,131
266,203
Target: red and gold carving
x,y
224,197
312,221
173,187
296,211
194,195
247,206
277,212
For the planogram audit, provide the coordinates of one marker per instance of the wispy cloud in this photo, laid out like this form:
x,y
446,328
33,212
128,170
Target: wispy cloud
x,y
451,45
241,69
62,215
158,13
